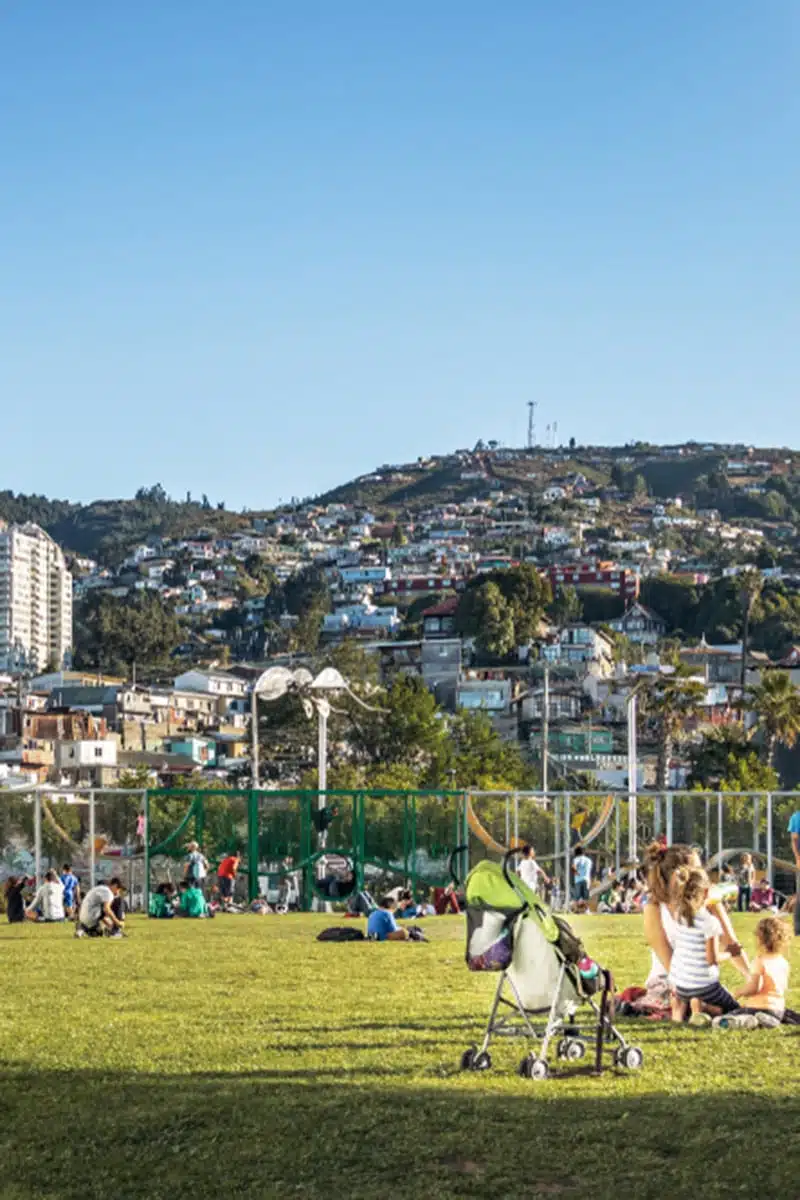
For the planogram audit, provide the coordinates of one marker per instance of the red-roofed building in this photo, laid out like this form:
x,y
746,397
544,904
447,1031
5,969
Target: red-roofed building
x,y
439,621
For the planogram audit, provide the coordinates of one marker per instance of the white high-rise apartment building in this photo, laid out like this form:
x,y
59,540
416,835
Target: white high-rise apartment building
x,y
35,600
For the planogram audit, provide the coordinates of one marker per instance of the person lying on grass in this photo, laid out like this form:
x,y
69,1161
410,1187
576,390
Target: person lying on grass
x,y
382,924
102,911
694,971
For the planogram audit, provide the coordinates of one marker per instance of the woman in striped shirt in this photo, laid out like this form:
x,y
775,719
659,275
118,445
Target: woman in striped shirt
x,y
694,970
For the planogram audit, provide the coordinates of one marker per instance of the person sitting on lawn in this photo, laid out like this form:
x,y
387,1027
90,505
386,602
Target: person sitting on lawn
x,y
162,905
382,925
72,891
226,877
15,901
763,897
192,901
406,908
48,902
769,973
98,912
694,971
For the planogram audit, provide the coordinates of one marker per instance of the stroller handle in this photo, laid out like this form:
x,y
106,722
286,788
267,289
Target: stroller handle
x,y
507,857
451,863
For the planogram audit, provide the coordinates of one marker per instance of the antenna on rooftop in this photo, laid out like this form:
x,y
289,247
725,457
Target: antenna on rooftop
x,y
555,432
532,406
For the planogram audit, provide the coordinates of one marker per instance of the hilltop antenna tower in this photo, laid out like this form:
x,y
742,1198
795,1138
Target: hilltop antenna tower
x,y
532,406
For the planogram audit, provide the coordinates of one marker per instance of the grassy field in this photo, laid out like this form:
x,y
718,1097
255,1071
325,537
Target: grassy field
x,y
241,1058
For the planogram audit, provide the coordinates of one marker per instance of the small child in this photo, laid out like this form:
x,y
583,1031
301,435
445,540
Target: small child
x,y
747,877
694,972
769,973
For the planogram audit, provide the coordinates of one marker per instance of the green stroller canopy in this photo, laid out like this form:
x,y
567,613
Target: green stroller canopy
x,y
488,887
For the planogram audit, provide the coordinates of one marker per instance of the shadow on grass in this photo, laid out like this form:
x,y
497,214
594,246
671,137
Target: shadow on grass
x,y
85,1135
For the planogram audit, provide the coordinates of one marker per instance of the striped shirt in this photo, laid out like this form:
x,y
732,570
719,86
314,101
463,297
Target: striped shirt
x,y
689,970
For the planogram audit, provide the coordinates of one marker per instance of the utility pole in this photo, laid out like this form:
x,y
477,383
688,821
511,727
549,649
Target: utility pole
x,y
545,728
633,771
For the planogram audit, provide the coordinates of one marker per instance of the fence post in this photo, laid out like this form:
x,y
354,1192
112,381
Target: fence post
x,y
719,834
146,837
756,823
669,819
414,845
769,838
92,853
508,822
567,852
657,815
37,836
618,831
516,818
708,828
252,845
556,836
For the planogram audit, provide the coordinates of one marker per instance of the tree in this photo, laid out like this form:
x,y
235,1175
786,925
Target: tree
x,y
478,757
776,703
495,621
711,759
565,606
673,699
409,729
572,443
526,594
639,487
112,633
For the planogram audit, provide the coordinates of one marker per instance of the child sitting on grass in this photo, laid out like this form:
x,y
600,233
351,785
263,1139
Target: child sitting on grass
x,y
694,971
769,973
192,901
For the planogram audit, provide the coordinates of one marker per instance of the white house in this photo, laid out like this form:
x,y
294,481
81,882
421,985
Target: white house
x,y
213,683
552,494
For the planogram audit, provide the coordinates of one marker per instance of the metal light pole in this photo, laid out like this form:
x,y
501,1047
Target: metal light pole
x,y
545,728
633,781
254,735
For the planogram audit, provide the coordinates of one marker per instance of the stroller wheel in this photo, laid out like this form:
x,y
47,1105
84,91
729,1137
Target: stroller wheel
x,y
572,1049
534,1068
473,1060
629,1057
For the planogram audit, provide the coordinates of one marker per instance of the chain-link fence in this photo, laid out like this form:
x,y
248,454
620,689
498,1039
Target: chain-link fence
x,y
379,838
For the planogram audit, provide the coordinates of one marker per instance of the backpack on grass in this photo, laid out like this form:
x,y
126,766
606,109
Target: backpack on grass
x,y
340,933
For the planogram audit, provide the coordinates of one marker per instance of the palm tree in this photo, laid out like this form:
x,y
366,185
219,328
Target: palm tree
x,y
776,703
673,700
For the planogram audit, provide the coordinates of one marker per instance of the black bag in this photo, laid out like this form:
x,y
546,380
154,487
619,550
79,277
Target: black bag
x,y
340,933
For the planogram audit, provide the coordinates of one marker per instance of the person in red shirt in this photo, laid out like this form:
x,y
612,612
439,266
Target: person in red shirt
x,y
226,876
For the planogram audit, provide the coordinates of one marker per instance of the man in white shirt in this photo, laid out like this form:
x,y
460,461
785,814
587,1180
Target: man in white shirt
x,y
97,915
48,903
529,870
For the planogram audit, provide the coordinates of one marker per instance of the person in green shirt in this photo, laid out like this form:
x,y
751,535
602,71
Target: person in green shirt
x,y
193,902
161,902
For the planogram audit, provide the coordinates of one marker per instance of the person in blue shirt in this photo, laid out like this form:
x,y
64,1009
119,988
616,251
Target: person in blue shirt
x,y
582,869
382,924
72,891
794,832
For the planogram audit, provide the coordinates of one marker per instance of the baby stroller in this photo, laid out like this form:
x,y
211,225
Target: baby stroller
x,y
543,968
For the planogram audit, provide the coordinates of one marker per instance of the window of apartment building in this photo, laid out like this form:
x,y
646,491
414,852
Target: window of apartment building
x,y
98,751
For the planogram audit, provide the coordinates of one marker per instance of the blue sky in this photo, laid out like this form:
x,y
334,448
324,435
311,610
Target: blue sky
x,y
253,248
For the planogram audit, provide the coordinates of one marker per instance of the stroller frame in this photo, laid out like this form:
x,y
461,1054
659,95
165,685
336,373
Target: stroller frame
x,y
521,1022
560,1022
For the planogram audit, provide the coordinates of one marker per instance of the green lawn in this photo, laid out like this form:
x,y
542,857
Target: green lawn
x,y
241,1058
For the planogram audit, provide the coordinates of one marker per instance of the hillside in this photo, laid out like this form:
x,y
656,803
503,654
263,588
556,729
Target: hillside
x,y
106,529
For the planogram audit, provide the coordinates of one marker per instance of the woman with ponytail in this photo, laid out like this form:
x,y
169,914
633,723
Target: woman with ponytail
x,y
660,925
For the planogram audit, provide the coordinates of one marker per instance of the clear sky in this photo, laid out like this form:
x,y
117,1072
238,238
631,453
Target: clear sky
x,y
255,247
